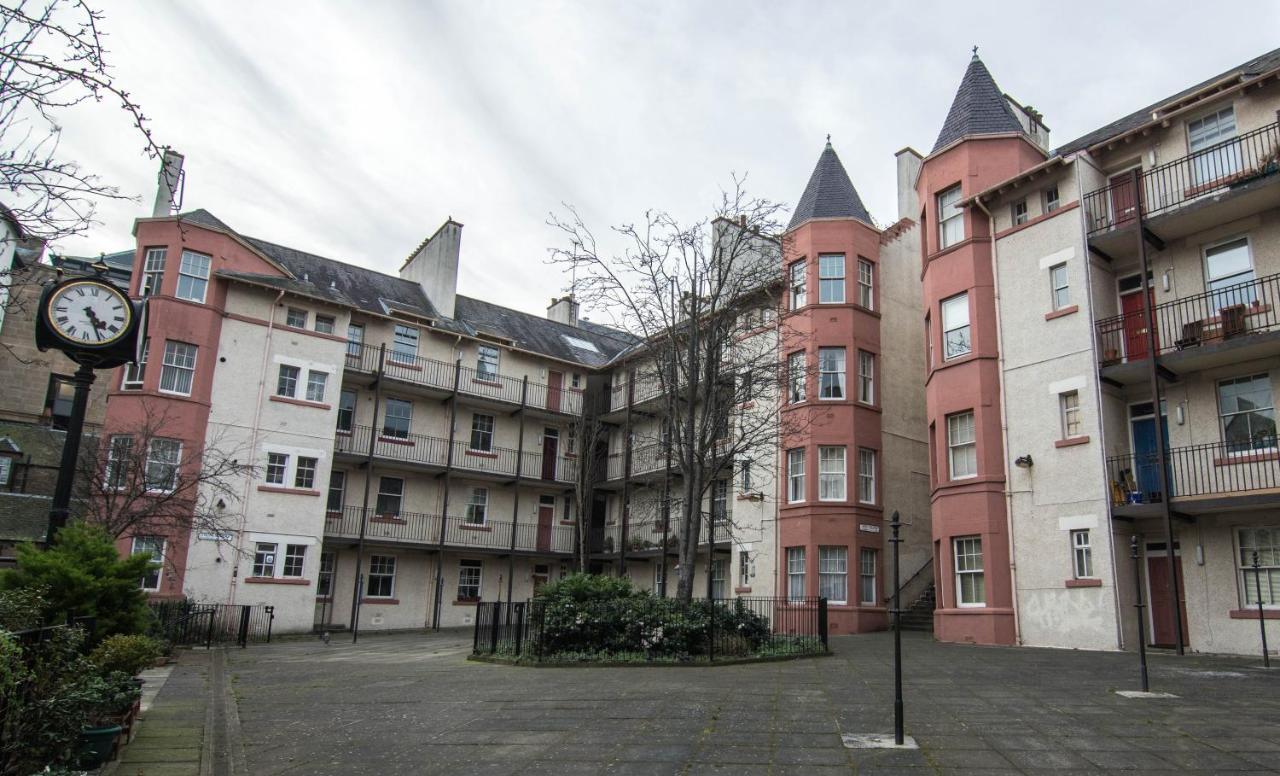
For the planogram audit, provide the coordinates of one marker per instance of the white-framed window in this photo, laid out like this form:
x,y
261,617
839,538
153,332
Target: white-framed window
x,y
193,276
163,456
390,496
928,340
1212,158
1069,404
153,546
296,317
866,284
287,381
316,382
719,579
795,573
136,372
404,344
744,471
355,340
1247,413
1059,287
971,587
799,293
264,559
831,373
950,217
277,468
866,377
962,446
833,574
1228,273
795,377
866,475
1020,212
337,491
346,410
831,473
153,271
481,432
720,499
295,559
477,506
486,363
325,324
470,573
1264,540
397,418
831,278
1081,554
119,458
6,469
179,369
744,568
324,581
304,476
867,576
382,577
795,475
955,327
1051,202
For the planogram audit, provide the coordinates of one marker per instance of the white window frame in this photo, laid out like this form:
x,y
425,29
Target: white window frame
x,y
295,555
407,418
135,374
950,218
1081,554
1229,293
468,569
175,464
795,475
1208,168
296,317
377,503
866,475
831,278
153,271
963,556
1069,410
385,569
951,308
1224,417
195,273
833,480
719,579
317,384
305,463
326,574
795,573
868,587
481,434
833,573
795,377
119,458
338,485
1020,212
178,367
147,544
326,324
955,445
866,377
866,284
266,558
797,285
403,336
277,469
834,384
287,377
477,504
487,359
1268,547
355,340
6,469
1059,286
1052,200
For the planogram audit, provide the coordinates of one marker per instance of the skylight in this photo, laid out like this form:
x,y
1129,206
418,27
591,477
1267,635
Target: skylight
x,y
574,342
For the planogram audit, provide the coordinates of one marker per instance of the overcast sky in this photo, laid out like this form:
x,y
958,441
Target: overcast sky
x,y
352,130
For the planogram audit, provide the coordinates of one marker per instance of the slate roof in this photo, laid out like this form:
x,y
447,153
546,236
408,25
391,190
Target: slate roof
x,y
979,108
829,193
379,293
1254,67
42,443
23,517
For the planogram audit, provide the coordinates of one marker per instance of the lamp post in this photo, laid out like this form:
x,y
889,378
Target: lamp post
x,y
898,737
1262,622
1142,631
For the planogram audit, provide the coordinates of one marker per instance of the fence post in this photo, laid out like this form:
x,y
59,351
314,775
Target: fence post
x,y
542,625
497,621
519,626
711,631
475,638
822,623
208,639
242,638
271,618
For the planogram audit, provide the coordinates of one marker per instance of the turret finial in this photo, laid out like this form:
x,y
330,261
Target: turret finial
x,y
828,140
975,52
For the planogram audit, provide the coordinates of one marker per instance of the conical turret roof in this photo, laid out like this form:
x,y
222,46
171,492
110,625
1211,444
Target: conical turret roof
x,y
979,108
829,194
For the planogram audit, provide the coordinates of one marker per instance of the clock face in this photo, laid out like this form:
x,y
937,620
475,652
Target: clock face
x,y
89,313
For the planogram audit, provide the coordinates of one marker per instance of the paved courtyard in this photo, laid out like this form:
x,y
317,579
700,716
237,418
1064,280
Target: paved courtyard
x,y
412,704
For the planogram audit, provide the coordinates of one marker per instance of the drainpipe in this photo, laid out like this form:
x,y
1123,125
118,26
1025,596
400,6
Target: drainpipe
x,y
1004,428
253,449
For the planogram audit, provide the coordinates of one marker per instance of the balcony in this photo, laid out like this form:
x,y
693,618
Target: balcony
x,y
424,530
1196,332
640,390
419,450
1202,478
438,377
647,462
1222,182
644,535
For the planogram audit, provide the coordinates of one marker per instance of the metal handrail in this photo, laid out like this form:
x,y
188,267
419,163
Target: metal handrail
x,y
459,531
1217,468
433,451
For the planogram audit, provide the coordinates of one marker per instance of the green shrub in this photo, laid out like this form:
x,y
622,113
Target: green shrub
x,y
129,654
44,700
22,609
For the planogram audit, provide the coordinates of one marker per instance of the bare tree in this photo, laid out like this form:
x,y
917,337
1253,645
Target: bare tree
x,y
589,435
142,482
698,295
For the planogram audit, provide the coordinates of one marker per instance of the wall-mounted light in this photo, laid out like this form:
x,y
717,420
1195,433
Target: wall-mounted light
x,y
1180,412
1165,281
1023,461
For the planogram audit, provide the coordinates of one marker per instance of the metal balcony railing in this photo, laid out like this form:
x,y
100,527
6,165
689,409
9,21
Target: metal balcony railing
x,y
1219,468
440,375
645,533
645,459
424,529
433,451
1180,182
638,390
1214,316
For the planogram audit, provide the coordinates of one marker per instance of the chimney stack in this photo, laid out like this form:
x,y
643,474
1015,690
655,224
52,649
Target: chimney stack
x,y
434,266
169,185
909,161
563,310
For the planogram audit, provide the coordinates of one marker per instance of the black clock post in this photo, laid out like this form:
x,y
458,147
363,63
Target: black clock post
x,y
103,342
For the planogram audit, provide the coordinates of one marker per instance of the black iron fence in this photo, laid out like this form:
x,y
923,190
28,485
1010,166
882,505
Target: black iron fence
x,y
651,629
187,623
1177,183
1213,316
1219,468
420,528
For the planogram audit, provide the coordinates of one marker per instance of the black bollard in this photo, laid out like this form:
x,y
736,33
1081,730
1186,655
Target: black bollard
x,y
1142,631
1262,622
898,737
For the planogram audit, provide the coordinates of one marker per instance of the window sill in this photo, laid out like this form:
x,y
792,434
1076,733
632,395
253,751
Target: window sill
x,y
332,514
1072,441
1065,311
412,367
1083,583
1252,614
300,402
741,589
275,581
343,432
288,491
395,441
465,601
1230,460
475,527
388,519
481,453
381,601
567,522
483,381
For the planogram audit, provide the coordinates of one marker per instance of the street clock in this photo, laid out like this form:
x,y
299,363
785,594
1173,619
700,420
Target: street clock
x,y
92,321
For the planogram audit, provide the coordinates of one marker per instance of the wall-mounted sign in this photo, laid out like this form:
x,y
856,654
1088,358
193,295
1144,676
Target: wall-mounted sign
x,y
866,528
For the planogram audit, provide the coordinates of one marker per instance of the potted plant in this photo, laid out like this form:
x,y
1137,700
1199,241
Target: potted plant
x,y
107,702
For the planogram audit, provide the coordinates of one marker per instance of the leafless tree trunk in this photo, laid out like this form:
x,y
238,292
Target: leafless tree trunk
x,y
588,434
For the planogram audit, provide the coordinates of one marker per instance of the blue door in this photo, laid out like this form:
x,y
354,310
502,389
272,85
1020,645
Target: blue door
x,y
1145,460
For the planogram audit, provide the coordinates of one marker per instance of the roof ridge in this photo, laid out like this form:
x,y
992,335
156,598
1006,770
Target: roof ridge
x,y
543,319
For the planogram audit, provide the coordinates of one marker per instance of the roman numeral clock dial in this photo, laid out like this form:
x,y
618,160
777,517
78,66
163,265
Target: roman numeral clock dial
x,y
89,314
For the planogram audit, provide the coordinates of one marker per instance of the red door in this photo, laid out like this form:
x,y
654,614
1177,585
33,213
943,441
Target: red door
x,y
546,514
1135,325
550,451
555,381
1161,609
1124,199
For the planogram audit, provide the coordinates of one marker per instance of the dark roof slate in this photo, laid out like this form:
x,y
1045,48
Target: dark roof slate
x,y
979,108
1254,67
829,193
23,517
540,335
